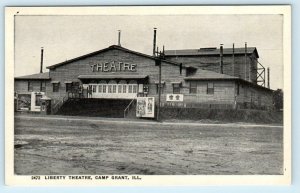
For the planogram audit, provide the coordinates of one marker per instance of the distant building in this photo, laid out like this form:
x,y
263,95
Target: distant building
x,y
235,61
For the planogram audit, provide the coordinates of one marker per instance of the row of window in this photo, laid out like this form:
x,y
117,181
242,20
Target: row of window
x,y
69,86
128,88
42,86
192,88
113,88
209,90
107,88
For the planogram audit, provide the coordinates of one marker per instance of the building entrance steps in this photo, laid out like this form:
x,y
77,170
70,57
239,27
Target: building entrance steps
x,y
113,108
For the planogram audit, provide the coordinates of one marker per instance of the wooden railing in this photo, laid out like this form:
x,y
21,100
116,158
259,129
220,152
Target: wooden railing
x,y
57,106
128,106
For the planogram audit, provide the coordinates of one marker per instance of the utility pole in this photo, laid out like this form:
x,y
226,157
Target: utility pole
x,y
41,68
233,62
159,89
160,56
119,38
245,61
42,59
268,75
154,41
221,58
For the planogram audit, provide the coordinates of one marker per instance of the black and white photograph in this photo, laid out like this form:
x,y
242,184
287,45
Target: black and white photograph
x,y
127,94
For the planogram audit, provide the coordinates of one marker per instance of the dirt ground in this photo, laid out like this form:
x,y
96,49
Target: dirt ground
x,y
46,146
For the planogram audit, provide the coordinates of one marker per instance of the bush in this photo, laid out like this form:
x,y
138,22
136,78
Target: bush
x,y
224,115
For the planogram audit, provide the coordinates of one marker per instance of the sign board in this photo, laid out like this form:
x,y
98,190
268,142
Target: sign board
x,y
174,97
113,66
145,107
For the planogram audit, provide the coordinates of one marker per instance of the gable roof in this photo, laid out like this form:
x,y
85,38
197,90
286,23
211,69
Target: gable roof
x,y
210,51
38,76
209,75
110,48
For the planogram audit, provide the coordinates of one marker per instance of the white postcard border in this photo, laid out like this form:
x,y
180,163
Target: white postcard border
x,y
147,180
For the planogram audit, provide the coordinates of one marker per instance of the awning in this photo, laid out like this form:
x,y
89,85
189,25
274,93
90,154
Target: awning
x,y
68,82
110,77
162,82
54,81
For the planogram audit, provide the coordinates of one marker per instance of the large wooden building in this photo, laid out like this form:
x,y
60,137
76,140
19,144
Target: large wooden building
x,y
238,62
189,79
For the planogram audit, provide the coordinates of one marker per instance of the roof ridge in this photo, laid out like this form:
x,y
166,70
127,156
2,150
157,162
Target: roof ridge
x,y
208,51
105,49
44,75
211,47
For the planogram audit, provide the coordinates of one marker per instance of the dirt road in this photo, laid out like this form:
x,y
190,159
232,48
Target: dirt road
x,y
46,146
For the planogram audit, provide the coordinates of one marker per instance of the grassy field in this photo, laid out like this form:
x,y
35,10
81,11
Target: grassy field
x,y
55,146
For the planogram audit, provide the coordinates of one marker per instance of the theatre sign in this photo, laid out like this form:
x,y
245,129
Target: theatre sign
x,y
113,66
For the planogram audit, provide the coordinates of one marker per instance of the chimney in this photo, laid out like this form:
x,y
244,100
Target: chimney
x,y
233,61
154,41
245,60
119,38
221,58
42,59
268,75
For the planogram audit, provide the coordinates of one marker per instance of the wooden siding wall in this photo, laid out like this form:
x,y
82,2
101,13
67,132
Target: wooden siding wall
x,y
223,93
252,96
145,66
213,63
225,96
21,86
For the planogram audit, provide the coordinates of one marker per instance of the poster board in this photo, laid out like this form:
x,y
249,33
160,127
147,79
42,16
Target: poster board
x,y
145,107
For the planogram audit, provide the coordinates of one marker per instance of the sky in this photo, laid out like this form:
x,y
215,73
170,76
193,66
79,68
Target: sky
x,y
66,37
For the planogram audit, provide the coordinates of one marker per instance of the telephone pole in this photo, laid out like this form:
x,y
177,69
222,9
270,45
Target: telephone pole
x,y
160,56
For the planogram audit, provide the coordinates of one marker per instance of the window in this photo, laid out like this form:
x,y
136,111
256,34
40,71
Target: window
x,y
55,87
210,88
129,88
134,88
119,88
193,87
109,89
43,86
68,87
114,88
94,88
30,86
100,89
176,88
124,88
237,89
104,89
